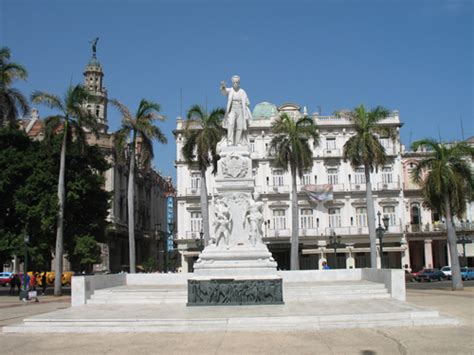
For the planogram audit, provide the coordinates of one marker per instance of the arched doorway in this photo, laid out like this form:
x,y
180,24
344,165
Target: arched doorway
x,y
415,217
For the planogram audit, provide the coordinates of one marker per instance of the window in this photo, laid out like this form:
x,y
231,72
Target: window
x,y
333,176
195,181
306,180
196,221
279,219
277,178
252,145
361,217
97,110
334,217
359,176
330,143
390,212
306,218
387,176
386,142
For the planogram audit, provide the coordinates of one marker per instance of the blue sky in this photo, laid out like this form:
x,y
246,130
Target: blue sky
x,y
414,56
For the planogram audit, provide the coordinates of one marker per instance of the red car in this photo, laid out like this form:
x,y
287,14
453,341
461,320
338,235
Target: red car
x,y
5,278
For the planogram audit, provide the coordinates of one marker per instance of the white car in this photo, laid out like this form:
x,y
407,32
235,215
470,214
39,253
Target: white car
x,y
446,270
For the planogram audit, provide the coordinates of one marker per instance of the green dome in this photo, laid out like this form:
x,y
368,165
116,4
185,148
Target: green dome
x,y
264,110
94,63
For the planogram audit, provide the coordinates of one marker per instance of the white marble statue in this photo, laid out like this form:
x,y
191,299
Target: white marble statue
x,y
254,219
238,113
222,223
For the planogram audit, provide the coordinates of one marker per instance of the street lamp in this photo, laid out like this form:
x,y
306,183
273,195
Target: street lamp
x,y
199,241
335,243
24,292
380,233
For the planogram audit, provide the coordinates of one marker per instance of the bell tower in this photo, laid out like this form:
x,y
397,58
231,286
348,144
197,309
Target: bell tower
x,y
93,82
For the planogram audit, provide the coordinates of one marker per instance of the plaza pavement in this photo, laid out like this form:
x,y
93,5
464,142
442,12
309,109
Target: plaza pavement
x,y
413,340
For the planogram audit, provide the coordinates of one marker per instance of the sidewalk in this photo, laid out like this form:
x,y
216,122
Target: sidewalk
x,y
421,340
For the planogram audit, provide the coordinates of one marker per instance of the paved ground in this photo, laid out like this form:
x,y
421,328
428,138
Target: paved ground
x,y
425,340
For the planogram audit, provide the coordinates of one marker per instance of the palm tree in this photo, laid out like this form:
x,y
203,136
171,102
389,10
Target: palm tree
x,y
72,119
291,149
202,133
137,132
364,149
12,101
446,180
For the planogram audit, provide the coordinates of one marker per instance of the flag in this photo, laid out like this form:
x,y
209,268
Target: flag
x,y
319,193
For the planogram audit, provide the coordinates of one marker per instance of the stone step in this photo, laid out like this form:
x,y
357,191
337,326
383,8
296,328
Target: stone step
x,y
269,323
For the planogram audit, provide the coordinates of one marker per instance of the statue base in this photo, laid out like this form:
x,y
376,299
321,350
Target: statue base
x,y
235,291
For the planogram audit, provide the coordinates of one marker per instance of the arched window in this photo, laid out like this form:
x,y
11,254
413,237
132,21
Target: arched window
x,y
415,214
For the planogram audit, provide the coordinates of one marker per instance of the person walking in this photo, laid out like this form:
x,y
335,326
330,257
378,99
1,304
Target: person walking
x,y
44,283
325,266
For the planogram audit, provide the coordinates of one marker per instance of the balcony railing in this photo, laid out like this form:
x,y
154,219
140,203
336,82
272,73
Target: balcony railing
x,y
278,233
438,227
381,186
192,235
333,152
272,189
193,191
358,187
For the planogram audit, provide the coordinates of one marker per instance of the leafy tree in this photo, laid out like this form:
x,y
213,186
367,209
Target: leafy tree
x,y
137,132
12,101
202,133
364,149
72,118
447,182
291,150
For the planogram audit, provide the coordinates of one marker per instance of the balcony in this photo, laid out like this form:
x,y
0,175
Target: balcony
x,y
382,186
333,152
192,235
272,189
274,233
358,187
438,227
309,232
193,191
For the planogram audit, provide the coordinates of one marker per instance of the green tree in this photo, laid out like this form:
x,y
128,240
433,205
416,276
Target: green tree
x,y
291,150
447,182
364,149
136,135
202,133
73,118
12,101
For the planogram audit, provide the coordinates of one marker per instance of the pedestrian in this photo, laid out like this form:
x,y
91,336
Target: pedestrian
x,y
32,283
44,283
325,266
14,283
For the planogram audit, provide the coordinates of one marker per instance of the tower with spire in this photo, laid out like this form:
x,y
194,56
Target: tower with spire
x,y
93,82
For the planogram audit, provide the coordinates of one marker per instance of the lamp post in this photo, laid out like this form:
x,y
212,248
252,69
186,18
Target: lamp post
x,y
380,234
199,241
335,243
24,291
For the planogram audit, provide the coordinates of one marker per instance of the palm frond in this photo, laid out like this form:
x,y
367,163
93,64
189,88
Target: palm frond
x,y
127,118
50,100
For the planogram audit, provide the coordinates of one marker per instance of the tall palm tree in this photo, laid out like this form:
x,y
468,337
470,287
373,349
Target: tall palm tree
x,y
202,133
291,150
137,131
446,179
71,120
12,101
364,149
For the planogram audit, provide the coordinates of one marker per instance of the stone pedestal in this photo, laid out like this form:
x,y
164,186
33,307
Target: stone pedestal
x,y
236,262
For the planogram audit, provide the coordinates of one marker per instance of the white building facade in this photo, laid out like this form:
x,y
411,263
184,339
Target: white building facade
x,y
344,216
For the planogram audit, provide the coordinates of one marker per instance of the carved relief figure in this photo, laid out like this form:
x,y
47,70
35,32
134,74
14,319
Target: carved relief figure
x,y
222,223
254,219
237,112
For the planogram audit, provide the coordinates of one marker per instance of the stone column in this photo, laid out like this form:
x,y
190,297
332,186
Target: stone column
x,y
379,257
350,261
405,253
428,253
184,263
449,254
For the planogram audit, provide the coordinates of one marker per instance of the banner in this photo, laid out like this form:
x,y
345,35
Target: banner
x,y
319,193
170,220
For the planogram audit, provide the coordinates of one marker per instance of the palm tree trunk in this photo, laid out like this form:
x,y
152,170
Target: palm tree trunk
x,y
294,262
370,218
204,207
58,260
131,207
456,279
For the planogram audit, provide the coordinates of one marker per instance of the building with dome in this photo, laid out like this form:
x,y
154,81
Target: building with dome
x,y
344,216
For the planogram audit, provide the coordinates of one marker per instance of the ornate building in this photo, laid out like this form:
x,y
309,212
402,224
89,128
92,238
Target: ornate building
x,y
344,216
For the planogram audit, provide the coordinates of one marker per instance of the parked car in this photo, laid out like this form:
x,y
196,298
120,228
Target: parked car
x,y
446,270
6,278
467,273
430,275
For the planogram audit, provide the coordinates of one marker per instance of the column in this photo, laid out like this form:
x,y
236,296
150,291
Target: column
x,y
428,254
449,254
379,257
184,263
350,261
405,253
322,259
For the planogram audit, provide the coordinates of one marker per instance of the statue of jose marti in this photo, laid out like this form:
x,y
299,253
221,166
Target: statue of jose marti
x,y
238,113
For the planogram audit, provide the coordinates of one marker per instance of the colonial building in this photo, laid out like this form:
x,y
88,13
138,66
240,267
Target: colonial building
x,y
151,189
344,216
